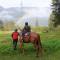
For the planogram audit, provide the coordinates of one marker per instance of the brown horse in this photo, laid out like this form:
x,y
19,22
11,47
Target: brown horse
x,y
32,38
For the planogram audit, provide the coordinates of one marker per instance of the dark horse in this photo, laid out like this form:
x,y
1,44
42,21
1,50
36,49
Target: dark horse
x,y
32,38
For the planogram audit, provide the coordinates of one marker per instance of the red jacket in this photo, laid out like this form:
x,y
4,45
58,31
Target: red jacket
x,y
15,35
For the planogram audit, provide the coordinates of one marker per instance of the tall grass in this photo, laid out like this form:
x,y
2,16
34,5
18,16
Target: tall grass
x,y
50,42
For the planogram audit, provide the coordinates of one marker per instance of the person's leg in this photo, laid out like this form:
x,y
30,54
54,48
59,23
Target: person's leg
x,y
28,33
23,34
14,44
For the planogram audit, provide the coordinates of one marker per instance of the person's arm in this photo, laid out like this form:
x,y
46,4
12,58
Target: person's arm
x,y
29,28
12,35
18,34
24,28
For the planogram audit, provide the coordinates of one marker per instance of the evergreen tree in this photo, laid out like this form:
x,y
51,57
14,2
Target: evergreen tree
x,y
55,16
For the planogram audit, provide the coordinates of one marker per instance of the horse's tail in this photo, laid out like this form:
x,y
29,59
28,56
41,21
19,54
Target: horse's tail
x,y
40,45
39,41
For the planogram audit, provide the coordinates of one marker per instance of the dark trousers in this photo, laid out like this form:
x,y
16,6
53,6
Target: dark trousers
x,y
14,44
23,33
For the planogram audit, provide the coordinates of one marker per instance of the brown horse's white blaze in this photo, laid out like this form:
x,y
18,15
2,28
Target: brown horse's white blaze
x,y
33,38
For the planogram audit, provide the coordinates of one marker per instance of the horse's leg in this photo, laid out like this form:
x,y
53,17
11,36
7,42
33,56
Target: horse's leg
x,y
36,47
21,46
40,46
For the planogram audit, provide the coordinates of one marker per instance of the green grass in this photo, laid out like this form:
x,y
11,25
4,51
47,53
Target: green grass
x,y
50,42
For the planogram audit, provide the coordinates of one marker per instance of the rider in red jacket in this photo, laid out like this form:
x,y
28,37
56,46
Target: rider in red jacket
x,y
15,35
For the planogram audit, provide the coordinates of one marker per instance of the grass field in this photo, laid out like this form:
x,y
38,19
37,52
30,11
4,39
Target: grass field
x,y
50,42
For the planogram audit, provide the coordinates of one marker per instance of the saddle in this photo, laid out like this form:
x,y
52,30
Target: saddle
x,y
26,37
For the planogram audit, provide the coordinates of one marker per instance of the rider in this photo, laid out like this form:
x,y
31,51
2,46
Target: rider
x,y
26,29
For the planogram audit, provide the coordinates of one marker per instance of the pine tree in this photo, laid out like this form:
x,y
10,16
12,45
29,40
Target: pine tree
x,y
56,12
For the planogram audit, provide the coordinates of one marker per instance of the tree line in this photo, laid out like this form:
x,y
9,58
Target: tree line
x,y
55,15
7,25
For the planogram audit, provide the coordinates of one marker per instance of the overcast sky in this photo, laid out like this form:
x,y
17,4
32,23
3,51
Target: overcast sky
x,y
43,5
26,3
